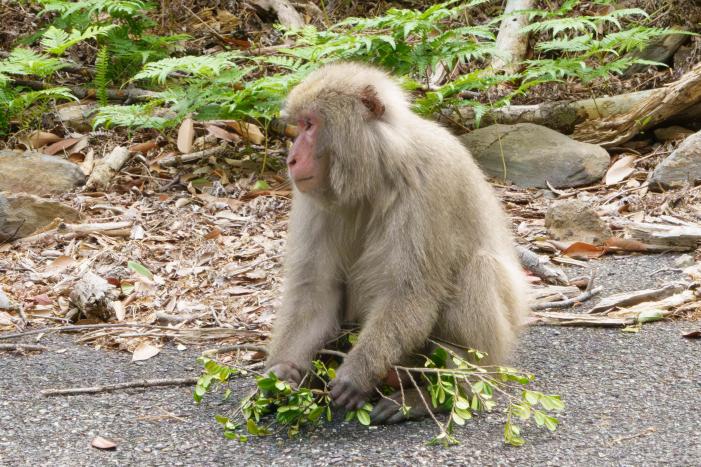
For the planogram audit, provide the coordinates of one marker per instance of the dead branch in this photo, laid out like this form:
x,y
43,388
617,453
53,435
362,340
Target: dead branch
x,y
129,94
106,168
23,347
559,115
542,269
235,348
586,295
286,13
635,297
68,231
225,332
194,156
660,105
511,43
144,383
557,318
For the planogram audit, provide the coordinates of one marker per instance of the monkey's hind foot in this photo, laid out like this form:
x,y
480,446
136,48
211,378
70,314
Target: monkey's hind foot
x,y
388,410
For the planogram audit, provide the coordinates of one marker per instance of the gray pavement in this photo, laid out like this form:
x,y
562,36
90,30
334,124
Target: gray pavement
x,y
632,399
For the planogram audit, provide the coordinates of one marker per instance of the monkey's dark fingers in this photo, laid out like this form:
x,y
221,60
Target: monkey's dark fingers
x,y
385,412
345,395
286,371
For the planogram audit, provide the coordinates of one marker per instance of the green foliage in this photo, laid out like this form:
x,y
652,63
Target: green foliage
x,y
204,66
404,41
57,41
102,66
23,61
457,386
132,116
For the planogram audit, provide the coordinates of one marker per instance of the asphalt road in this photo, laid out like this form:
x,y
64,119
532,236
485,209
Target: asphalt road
x,y
632,399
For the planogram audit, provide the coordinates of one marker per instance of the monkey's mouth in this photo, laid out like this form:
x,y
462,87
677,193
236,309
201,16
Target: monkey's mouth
x,y
303,179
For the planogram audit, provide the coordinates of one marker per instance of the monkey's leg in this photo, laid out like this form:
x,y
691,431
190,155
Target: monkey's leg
x,y
395,328
308,317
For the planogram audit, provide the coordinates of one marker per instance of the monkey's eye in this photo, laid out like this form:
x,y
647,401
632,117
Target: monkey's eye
x,y
307,124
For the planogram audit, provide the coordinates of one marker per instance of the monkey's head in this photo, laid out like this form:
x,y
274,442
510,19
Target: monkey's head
x,y
347,116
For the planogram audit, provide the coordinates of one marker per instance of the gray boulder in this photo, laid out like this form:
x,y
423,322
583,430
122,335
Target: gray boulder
x,y
533,154
22,214
36,173
681,167
575,220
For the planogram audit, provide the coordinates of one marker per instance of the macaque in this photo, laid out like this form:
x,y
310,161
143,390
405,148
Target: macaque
x,y
393,226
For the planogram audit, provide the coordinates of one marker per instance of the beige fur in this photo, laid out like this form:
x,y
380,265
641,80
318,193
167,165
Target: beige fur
x,y
406,237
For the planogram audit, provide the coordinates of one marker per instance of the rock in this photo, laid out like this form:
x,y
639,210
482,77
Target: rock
x,y
679,168
672,133
684,261
661,49
22,214
77,116
575,220
533,154
36,173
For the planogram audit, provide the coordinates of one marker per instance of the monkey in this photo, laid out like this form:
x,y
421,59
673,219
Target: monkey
x,y
392,226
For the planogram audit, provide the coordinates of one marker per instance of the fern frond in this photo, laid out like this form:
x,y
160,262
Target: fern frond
x,y
23,61
134,116
56,41
202,66
102,66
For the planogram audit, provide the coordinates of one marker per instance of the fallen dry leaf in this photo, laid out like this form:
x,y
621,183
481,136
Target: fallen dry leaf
x,y
620,170
60,264
38,139
142,148
249,131
625,244
103,443
582,250
221,133
693,335
59,146
144,351
186,136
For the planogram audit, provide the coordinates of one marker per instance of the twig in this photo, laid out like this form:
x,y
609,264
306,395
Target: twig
x,y
23,347
194,156
570,301
144,383
86,327
236,347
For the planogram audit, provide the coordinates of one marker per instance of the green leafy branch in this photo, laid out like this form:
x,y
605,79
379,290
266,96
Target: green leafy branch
x,y
454,384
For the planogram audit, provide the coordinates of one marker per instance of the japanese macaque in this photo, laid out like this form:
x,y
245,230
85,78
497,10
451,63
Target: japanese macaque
x,y
393,226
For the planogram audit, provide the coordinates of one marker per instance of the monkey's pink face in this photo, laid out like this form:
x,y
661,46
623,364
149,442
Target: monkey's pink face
x,y
306,167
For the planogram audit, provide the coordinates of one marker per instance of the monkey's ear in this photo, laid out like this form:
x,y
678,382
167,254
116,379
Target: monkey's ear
x,y
370,99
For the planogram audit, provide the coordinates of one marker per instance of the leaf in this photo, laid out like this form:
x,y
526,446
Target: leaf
x,y
625,244
693,335
186,136
60,264
221,133
620,170
363,417
103,443
143,148
649,316
119,311
582,250
144,351
59,146
38,139
140,269
249,131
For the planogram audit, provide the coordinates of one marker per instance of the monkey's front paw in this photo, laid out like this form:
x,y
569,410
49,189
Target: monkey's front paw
x,y
287,371
347,394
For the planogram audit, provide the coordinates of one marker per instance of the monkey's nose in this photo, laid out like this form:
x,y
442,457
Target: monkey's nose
x,y
291,160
